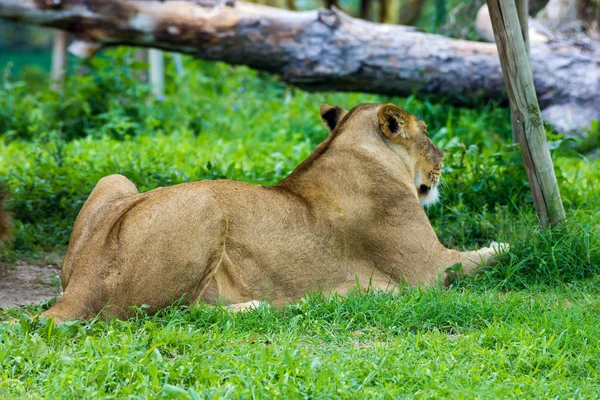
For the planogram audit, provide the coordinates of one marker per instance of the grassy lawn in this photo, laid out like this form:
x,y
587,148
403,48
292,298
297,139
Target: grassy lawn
x,y
422,343
529,328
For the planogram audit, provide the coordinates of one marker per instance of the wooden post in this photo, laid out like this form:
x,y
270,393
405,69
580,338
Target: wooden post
x,y
529,126
157,72
59,60
523,11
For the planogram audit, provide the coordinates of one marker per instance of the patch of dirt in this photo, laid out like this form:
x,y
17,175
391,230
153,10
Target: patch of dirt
x,y
25,284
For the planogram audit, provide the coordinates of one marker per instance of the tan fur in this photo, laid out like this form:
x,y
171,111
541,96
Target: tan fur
x,y
349,213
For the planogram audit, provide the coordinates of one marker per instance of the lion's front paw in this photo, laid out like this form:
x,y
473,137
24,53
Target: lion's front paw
x,y
499,248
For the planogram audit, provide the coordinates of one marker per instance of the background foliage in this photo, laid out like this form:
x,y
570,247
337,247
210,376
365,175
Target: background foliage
x,y
223,122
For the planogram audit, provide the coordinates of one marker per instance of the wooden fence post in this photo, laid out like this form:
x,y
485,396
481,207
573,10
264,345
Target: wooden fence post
x,y
523,11
59,60
157,72
529,126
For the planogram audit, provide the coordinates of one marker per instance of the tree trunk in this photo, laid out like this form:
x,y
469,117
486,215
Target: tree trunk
x,y
157,72
410,11
365,9
59,60
385,12
328,50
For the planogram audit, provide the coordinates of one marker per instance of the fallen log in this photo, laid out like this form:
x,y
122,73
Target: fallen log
x,y
327,50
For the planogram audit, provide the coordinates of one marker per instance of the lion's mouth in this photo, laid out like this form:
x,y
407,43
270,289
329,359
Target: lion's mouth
x,y
428,195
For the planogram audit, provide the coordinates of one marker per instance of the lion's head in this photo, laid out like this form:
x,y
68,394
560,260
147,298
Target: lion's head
x,y
403,133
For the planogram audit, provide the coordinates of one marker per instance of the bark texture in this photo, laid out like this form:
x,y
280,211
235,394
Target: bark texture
x,y
527,124
328,50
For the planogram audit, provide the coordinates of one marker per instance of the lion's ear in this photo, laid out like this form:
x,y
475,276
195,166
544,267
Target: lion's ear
x,y
394,122
331,116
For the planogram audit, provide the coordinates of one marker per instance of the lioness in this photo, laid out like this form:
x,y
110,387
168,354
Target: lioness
x,y
349,213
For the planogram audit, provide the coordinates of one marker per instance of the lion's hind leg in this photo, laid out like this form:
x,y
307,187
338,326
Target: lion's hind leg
x,y
108,189
75,302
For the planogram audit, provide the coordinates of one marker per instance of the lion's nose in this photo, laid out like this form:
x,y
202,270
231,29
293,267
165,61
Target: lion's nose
x,y
424,189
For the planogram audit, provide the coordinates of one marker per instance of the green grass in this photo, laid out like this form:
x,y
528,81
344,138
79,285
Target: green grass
x,y
527,328
422,343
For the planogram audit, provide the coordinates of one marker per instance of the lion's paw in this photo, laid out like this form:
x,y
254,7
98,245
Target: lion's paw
x,y
499,248
251,305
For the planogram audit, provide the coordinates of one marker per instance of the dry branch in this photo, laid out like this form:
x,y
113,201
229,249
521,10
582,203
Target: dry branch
x,y
327,50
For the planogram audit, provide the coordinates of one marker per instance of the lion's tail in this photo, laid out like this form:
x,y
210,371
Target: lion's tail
x,y
4,221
